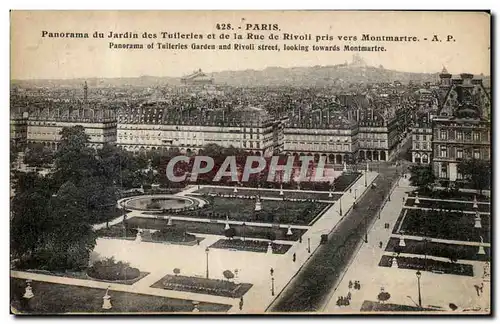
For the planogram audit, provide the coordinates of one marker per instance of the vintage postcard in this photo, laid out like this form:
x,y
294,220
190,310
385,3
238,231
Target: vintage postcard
x,y
250,162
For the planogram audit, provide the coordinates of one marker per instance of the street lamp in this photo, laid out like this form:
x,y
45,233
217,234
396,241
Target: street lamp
x,y
419,274
308,245
366,184
355,193
340,205
207,250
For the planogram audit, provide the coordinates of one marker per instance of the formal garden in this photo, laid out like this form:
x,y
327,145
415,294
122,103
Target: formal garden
x,y
426,264
270,193
215,287
250,246
52,298
273,211
181,226
447,205
452,251
444,225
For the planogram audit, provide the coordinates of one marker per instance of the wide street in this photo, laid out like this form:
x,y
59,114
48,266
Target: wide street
x,y
308,290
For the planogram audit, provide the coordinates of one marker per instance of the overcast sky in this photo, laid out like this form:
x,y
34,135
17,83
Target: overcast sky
x,y
37,57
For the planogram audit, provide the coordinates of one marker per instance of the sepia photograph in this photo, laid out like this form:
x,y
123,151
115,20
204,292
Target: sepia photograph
x,y
250,162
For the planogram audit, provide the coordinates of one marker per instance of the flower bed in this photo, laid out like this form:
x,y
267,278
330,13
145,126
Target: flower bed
x,y
214,287
111,270
429,265
447,205
269,193
212,228
170,234
250,245
460,252
452,195
452,226
371,306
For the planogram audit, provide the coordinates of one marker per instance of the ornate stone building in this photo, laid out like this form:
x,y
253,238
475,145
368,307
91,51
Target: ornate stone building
x,y
461,130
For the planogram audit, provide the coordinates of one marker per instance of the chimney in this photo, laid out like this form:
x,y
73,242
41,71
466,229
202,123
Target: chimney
x,y
466,79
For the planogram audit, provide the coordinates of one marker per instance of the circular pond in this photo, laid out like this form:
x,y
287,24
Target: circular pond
x,y
158,202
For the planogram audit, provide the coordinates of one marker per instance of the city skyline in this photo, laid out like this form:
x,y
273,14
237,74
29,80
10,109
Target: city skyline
x,y
40,57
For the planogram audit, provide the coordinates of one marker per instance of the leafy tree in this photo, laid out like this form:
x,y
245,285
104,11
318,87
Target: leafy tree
x,y
383,296
228,274
422,177
477,172
230,232
38,155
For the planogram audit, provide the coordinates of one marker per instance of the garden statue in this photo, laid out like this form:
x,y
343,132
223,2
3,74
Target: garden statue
x,y
195,307
235,189
477,220
394,262
169,223
269,248
367,167
28,293
106,300
289,231
227,224
281,190
345,166
138,237
330,194
258,204
417,201
402,241
481,247
475,202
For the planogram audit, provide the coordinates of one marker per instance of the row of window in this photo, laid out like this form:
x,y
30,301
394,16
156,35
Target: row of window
x,y
460,153
461,135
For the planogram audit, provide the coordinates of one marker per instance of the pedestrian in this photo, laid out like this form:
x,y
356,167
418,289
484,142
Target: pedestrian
x,y
347,303
380,244
356,285
198,241
294,257
342,301
349,295
241,303
338,302
359,286
300,239
350,284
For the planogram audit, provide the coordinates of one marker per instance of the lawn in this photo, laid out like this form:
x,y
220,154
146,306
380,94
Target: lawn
x,y
216,287
451,195
250,245
216,228
452,226
461,252
270,193
371,306
447,205
273,211
429,265
57,299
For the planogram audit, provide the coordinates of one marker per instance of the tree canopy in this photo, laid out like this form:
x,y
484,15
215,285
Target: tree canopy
x,y
477,172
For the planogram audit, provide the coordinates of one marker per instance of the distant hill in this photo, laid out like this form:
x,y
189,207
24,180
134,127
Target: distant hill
x,y
272,76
